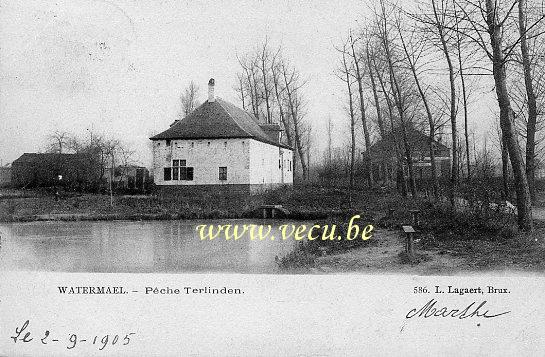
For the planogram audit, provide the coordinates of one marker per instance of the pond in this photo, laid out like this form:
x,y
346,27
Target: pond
x,y
124,246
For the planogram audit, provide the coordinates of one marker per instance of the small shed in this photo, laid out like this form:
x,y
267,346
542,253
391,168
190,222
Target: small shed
x,y
78,171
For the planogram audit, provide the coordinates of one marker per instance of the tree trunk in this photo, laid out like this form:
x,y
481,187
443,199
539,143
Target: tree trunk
x,y
464,95
506,193
375,95
265,86
396,91
283,118
296,132
352,124
435,185
507,125
532,105
399,164
454,129
359,79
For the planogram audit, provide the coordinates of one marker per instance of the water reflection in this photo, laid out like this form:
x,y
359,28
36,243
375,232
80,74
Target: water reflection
x,y
157,246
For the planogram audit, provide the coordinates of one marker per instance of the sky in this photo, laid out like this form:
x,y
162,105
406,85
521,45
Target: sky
x,y
118,67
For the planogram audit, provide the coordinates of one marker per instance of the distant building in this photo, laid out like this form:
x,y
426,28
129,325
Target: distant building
x,y
130,178
5,176
384,157
221,147
77,171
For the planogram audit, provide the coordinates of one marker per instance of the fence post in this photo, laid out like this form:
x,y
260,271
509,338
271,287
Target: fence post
x,y
409,242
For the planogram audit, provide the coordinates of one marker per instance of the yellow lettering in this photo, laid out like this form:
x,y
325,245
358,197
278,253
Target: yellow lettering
x,y
310,237
260,232
284,228
300,230
235,235
350,227
368,229
331,235
210,234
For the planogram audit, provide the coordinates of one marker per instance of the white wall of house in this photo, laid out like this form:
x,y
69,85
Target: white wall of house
x,y
270,164
248,161
206,157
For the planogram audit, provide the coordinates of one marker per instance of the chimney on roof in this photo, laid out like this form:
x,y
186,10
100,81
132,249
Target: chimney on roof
x,y
211,97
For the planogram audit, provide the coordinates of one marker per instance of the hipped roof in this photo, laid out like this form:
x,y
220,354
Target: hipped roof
x,y
418,141
217,120
49,157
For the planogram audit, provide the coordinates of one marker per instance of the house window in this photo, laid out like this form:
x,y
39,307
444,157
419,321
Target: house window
x,y
186,173
223,173
192,144
166,172
168,142
175,169
178,171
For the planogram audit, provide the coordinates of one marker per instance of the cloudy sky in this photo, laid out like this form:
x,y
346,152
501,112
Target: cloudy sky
x,y
118,67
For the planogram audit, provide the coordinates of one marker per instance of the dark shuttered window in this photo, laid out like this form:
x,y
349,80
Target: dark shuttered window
x,y
167,176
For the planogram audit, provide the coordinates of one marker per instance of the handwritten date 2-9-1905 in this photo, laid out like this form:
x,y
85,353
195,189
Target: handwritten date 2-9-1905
x,y
24,335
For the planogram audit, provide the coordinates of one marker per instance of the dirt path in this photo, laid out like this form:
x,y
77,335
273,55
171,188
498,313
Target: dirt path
x,y
447,258
383,257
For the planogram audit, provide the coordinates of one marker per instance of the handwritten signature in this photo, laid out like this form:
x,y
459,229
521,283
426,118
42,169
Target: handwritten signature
x,y
471,310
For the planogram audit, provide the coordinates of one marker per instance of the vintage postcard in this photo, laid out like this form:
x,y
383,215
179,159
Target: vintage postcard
x,y
272,178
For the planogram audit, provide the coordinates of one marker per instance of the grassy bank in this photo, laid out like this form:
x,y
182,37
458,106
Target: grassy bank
x,y
476,237
302,202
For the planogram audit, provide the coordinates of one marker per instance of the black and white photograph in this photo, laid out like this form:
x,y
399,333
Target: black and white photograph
x,y
204,169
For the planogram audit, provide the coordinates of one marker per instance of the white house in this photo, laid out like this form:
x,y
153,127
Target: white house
x,y
221,147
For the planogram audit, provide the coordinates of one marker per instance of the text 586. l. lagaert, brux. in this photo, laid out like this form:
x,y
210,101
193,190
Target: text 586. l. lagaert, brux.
x,y
150,290
460,290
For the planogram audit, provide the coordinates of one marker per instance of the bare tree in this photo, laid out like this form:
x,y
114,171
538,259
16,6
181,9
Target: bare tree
x,y
189,99
412,57
397,147
380,122
263,62
459,44
345,76
293,85
358,74
440,16
398,94
530,96
272,90
490,20
58,141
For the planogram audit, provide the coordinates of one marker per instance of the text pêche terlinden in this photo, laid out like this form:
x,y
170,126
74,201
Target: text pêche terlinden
x,y
148,290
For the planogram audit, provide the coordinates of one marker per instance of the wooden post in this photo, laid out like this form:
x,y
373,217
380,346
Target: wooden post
x,y
409,243
414,214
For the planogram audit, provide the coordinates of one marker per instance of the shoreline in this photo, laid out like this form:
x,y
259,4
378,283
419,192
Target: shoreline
x,y
70,217
312,203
